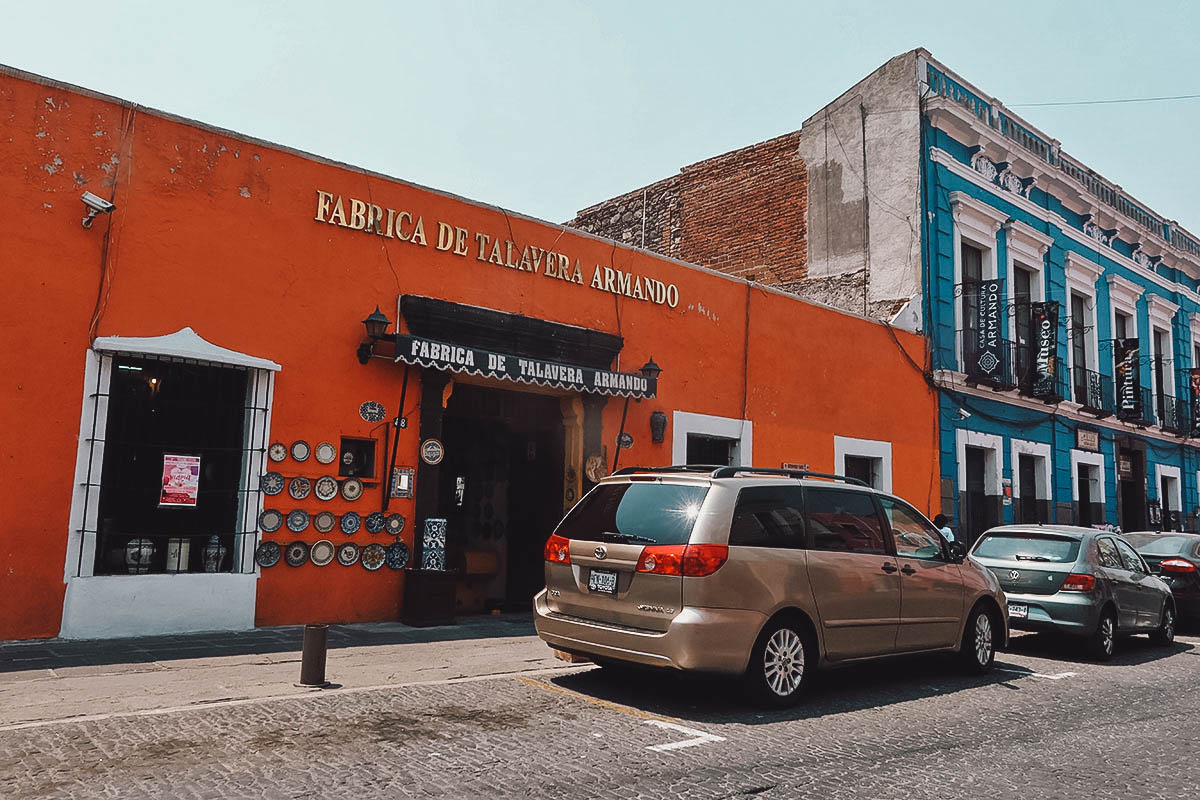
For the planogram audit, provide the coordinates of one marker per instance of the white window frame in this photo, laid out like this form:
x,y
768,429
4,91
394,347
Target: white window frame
x,y
740,431
1123,296
1194,329
1039,450
976,223
1091,459
1161,312
1026,248
864,448
1081,279
993,465
108,606
1168,471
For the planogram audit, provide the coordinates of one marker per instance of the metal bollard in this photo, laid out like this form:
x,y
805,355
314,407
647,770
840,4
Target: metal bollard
x,y
312,657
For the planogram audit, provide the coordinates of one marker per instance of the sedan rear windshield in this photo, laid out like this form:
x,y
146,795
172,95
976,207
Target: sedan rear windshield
x,y
1028,547
641,513
1153,544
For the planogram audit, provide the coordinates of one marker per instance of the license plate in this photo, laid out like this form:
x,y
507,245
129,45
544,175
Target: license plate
x,y
1017,610
603,581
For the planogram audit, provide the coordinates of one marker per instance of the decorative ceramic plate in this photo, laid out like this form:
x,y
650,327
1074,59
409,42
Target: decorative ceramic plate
x,y
325,522
268,554
352,489
296,554
347,554
374,522
322,552
300,450
297,520
271,483
373,556
325,453
270,520
326,487
277,451
351,522
299,488
395,524
397,555
372,411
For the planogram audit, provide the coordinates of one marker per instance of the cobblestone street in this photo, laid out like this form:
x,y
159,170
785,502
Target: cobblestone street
x,y
1046,722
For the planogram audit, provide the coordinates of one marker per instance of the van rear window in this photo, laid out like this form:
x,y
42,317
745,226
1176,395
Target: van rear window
x,y
1028,547
642,513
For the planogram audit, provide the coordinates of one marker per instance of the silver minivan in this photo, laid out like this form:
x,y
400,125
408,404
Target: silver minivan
x,y
766,574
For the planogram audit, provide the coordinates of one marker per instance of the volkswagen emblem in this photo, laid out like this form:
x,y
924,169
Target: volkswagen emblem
x,y
601,552
1013,575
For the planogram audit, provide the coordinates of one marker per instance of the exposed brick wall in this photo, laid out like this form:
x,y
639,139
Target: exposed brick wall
x,y
742,213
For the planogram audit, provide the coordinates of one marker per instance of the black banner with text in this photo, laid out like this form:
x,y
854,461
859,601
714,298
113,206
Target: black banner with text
x,y
1045,349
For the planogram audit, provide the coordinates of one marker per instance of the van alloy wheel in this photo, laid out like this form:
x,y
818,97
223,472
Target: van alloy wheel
x,y
983,639
783,662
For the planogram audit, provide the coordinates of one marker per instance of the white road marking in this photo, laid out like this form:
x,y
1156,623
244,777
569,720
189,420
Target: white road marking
x,y
699,737
1033,674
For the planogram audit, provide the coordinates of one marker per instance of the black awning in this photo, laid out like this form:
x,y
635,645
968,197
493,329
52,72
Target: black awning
x,y
460,358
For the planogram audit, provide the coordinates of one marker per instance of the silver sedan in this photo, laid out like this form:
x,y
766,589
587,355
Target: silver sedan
x,y
1078,581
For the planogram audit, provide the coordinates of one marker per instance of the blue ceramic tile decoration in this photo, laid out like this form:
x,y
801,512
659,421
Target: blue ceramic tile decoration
x,y
433,545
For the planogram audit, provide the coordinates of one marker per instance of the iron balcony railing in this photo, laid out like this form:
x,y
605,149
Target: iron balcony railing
x,y
1142,410
992,366
1093,391
1172,414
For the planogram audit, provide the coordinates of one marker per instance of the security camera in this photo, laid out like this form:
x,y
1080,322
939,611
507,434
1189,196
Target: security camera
x,y
96,205
964,414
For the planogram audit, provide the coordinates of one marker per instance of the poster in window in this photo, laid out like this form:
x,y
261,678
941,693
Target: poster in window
x,y
180,481
988,355
1194,384
1129,387
1045,348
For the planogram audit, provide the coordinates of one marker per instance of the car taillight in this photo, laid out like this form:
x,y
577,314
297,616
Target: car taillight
x,y
558,549
693,560
1078,582
1177,565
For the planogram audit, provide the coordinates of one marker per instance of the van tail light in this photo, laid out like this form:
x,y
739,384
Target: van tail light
x,y
558,549
693,560
1078,582
1177,565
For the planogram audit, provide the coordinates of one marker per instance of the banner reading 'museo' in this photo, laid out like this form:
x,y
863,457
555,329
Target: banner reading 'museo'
x,y
406,226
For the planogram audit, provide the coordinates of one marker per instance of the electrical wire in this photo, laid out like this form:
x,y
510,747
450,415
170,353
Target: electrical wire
x,y
1106,102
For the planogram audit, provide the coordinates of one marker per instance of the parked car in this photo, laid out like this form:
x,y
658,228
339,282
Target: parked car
x,y
765,574
1077,581
1174,557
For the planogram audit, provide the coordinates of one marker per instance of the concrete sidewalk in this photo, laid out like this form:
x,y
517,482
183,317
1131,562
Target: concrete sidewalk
x,y
57,679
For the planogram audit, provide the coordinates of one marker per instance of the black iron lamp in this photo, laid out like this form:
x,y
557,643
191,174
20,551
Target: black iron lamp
x,y
658,427
376,324
650,370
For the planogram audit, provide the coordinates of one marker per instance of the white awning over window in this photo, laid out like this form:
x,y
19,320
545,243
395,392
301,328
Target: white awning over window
x,y
183,343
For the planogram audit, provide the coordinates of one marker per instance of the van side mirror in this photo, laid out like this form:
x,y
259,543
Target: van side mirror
x,y
958,552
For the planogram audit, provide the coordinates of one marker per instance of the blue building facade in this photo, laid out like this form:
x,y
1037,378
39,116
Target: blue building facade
x,y
1064,325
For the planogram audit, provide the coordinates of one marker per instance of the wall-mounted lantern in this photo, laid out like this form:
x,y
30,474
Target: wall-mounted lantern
x,y
658,427
376,324
650,370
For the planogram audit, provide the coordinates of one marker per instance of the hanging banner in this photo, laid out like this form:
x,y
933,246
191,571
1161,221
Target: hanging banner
x,y
1129,385
987,358
507,366
1194,383
180,481
1045,348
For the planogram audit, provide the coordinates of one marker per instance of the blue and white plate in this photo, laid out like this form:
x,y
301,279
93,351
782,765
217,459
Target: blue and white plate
x,y
397,555
351,522
372,411
272,483
270,520
297,520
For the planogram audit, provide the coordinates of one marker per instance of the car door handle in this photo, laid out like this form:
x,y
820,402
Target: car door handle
x,y
888,567
907,570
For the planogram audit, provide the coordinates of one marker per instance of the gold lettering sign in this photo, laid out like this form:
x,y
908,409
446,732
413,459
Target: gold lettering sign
x,y
409,227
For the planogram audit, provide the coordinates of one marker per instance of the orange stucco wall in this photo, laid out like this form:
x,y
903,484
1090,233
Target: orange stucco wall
x,y
215,231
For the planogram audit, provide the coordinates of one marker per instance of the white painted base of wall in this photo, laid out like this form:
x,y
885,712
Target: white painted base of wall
x,y
116,606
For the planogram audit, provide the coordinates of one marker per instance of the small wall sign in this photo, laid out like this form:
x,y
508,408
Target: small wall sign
x,y
402,482
180,481
795,466
1086,439
432,451
625,441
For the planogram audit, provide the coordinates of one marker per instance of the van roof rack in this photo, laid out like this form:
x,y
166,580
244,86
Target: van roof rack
x,y
731,472
706,468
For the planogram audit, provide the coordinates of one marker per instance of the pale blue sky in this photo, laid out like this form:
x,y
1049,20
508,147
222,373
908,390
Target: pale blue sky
x,y
547,107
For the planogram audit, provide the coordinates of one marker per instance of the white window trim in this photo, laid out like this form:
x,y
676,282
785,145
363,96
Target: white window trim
x,y
1021,447
106,606
741,431
1194,329
1161,312
977,223
1123,296
1093,459
993,466
1026,248
1081,279
867,448
1167,471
